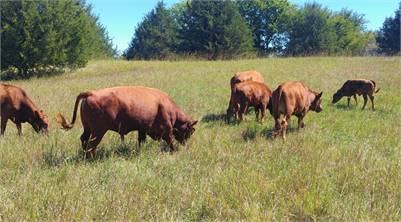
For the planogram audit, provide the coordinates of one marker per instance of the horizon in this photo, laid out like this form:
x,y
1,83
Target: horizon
x,y
113,14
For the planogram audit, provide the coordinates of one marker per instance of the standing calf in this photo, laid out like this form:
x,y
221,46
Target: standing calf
x,y
293,98
19,108
246,94
355,87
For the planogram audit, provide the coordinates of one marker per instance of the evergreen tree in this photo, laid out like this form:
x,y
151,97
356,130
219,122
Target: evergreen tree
x,y
41,34
388,37
154,37
214,29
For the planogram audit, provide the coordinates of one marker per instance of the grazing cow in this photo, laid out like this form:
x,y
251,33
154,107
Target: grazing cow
x,y
249,93
19,108
246,76
293,98
355,87
125,109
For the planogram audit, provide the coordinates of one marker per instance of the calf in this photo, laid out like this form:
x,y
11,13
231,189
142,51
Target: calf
x,y
293,98
247,94
355,87
125,109
19,108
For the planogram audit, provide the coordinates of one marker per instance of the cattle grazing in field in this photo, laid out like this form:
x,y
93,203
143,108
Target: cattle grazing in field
x,y
246,94
246,76
355,87
125,109
293,98
19,108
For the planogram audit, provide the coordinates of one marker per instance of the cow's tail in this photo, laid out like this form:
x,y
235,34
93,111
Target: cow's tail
x,y
276,101
374,86
60,118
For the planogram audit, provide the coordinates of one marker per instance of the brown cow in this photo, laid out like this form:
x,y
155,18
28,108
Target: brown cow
x,y
293,98
125,109
19,108
246,94
246,76
355,87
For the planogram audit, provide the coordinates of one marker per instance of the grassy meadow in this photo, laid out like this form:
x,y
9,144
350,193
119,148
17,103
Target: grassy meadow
x,y
344,165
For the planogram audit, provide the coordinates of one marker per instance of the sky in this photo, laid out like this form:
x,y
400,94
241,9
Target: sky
x,y
120,17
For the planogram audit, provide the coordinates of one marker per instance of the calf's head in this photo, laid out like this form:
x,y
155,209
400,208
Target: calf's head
x,y
336,97
40,122
184,131
316,103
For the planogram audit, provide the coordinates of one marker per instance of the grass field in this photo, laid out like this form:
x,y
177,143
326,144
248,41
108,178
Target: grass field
x,y
344,165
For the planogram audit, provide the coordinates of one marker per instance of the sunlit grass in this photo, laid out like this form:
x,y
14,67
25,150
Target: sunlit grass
x,y
344,165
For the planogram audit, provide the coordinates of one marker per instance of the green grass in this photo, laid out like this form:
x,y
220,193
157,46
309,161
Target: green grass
x,y
344,165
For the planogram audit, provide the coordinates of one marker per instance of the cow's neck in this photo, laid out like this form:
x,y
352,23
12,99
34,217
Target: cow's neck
x,y
29,111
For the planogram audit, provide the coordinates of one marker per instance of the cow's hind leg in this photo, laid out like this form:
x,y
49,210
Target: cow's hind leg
x,y
348,99
243,109
365,100
284,124
94,140
371,97
85,138
19,128
356,101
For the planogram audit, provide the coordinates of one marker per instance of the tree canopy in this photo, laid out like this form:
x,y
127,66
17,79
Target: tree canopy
x,y
41,34
388,37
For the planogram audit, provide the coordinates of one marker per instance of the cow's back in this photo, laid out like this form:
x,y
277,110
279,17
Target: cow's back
x,y
246,76
357,86
13,96
123,106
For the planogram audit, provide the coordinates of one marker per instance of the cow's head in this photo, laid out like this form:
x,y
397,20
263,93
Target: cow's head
x,y
315,105
183,132
336,97
40,122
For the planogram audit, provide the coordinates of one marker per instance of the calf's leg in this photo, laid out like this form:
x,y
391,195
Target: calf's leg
x,y
365,99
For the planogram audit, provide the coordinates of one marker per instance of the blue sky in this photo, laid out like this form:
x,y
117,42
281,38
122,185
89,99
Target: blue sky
x,y
122,16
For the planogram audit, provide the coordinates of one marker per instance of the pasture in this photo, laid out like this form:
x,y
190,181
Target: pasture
x,y
344,165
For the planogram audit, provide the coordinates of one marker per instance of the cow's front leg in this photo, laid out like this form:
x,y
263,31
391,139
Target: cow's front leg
x,y
141,137
3,125
356,101
19,128
168,137
348,100
301,123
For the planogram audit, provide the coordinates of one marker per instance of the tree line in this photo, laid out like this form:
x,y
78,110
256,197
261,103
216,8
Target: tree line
x,y
235,28
48,36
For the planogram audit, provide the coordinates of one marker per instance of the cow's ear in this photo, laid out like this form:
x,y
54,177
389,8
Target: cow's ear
x,y
319,95
194,122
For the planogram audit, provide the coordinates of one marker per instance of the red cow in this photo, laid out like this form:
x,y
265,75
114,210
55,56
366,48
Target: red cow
x,y
125,109
19,108
293,98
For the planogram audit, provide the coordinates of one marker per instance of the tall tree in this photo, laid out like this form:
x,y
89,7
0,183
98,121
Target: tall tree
x,y
39,34
215,29
388,37
155,36
268,20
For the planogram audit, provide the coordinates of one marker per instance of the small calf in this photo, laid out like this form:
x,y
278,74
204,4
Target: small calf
x,y
355,87
246,94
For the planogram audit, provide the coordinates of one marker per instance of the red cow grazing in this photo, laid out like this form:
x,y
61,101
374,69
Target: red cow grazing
x,y
125,109
246,76
293,98
355,87
249,93
19,108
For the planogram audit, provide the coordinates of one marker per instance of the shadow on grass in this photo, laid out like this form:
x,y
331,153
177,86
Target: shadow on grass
x,y
214,118
55,159
252,132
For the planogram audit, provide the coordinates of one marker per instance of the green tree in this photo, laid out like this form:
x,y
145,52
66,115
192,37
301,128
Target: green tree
x,y
41,34
388,37
268,20
155,36
214,29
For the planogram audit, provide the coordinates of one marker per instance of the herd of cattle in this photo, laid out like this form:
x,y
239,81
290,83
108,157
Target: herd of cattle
x,y
152,112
